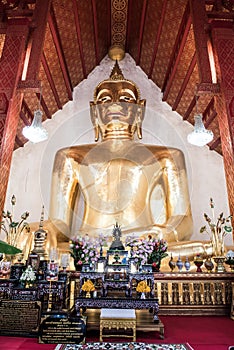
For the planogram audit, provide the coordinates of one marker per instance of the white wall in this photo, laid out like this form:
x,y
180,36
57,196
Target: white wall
x,y
31,168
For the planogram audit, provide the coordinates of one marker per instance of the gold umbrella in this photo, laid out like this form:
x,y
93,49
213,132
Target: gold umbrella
x,y
9,249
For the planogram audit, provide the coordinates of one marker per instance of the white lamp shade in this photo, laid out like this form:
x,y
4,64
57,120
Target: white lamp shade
x,y
200,135
35,132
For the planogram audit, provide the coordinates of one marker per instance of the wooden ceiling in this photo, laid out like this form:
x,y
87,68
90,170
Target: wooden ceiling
x,y
158,34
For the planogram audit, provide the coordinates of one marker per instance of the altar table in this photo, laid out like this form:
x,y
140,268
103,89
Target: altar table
x,y
118,303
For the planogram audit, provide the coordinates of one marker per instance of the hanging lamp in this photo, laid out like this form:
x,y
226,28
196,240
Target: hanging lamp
x,y
36,132
200,136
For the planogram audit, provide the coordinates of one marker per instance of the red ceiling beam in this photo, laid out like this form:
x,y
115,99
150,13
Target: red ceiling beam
x,y
19,142
27,110
177,52
158,35
210,113
220,15
44,106
142,25
215,144
51,81
209,107
210,119
185,82
3,28
78,33
95,26
38,25
190,107
24,118
201,37
57,42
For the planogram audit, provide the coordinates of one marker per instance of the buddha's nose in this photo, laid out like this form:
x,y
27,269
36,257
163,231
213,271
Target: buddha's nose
x,y
115,107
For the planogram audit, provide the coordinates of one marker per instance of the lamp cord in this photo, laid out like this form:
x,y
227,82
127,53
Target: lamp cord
x,y
39,107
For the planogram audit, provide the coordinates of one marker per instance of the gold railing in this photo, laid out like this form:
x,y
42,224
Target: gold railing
x,y
194,293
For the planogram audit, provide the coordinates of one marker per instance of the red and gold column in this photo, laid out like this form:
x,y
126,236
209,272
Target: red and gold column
x,y
223,45
11,66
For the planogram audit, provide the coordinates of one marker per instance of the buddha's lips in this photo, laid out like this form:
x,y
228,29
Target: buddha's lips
x,y
115,114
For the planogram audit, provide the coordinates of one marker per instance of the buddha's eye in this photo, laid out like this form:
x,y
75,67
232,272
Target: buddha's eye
x,y
127,99
104,99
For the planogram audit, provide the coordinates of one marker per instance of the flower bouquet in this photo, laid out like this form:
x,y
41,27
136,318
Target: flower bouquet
x,y
140,249
158,252
28,276
84,251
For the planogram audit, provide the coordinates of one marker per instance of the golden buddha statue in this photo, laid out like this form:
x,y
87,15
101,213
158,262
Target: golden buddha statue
x,y
142,187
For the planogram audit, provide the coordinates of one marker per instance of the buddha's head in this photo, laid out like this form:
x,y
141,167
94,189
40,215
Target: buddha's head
x,y
117,110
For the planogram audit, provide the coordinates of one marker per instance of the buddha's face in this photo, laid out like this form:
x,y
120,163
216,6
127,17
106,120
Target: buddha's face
x,y
117,107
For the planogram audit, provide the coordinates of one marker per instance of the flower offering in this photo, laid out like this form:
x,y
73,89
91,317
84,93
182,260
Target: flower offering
x,y
28,275
88,286
143,287
218,230
84,250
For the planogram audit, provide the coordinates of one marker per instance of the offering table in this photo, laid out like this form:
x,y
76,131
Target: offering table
x,y
118,303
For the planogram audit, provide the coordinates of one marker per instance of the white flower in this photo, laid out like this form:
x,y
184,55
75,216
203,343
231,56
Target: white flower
x,y
28,275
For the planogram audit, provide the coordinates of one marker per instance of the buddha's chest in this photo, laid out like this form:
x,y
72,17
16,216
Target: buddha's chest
x,y
118,174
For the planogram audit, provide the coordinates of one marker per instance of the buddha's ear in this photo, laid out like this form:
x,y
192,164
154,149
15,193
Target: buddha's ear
x,y
140,117
94,119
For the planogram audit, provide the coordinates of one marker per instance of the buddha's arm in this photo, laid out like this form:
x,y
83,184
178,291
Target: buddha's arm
x,y
178,220
64,189
190,249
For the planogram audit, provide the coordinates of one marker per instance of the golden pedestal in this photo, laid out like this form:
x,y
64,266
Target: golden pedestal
x,y
119,319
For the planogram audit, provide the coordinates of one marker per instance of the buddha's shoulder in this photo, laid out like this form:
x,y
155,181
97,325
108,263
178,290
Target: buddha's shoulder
x,y
73,151
162,150
78,152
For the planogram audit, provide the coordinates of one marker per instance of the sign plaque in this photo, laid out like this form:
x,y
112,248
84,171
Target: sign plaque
x,y
19,317
62,329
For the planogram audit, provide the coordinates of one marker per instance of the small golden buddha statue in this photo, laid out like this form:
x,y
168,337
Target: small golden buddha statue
x,y
119,179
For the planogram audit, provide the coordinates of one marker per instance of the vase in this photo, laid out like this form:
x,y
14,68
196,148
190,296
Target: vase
x,y
187,264
209,265
142,295
219,260
198,261
172,264
156,266
78,267
88,295
179,264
